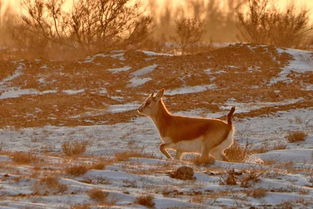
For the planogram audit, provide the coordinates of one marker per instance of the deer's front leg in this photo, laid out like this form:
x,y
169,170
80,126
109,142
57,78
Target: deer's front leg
x,y
163,150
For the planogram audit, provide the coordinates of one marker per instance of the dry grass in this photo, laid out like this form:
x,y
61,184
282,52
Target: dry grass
x,y
296,136
80,206
200,162
23,157
230,179
49,184
266,148
252,177
97,195
256,193
145,200
77,170
236,153
74,148
123,156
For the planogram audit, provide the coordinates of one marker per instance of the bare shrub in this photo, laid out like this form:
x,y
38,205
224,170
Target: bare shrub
x,y
90,26
264,25
23,157
145,200
256,193
189,32
230,178
49,185
296,136
97,195
252,177
236,153
77,170
73,148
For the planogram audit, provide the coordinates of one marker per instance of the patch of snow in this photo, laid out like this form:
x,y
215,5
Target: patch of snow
x,y
288,155
18,72
151,53
16,92
118,70
145,70
72,92
190,89
247,107
116,55
302,61
44,67
103,91
122,107
134,82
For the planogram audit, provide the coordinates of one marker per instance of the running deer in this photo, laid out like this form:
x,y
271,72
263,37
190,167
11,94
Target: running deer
x,y
204,136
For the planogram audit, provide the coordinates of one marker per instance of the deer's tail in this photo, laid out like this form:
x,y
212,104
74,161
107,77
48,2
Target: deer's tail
x,y
230,115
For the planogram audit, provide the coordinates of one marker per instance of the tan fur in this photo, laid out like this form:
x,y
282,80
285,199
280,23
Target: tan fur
x,y
188,134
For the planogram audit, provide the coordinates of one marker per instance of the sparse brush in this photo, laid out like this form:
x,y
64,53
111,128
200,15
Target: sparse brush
x,y
296,136
49,185
23,157
265,25
189,31
77,170
256,193
74,148
97,195
251,178
230,179
236,153
145,200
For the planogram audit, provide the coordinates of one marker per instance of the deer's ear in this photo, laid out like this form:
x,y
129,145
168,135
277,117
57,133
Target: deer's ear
x,y
160,94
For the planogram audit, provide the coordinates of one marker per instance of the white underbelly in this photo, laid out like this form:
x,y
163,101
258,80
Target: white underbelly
x,y
188,145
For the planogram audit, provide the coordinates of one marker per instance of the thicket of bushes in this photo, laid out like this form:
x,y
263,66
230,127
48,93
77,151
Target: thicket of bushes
x,y
46,28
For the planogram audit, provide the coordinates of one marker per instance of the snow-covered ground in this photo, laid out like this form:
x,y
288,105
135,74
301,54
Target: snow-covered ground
x,y
278,176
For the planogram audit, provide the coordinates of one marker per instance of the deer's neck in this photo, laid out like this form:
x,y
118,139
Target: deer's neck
x,y
162,118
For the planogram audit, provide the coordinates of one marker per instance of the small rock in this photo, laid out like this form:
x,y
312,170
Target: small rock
x,y
183,173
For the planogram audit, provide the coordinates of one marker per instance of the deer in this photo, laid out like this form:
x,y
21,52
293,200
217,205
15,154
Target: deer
x,y
206,137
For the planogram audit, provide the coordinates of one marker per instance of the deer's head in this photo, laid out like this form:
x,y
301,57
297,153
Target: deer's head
x,y
151,104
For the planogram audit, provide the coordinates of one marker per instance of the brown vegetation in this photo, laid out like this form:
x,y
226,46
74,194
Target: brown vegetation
x,y
49,185
256,193
123,156
237,153
296,136
23,157
145,200
77,170
97,195
265,25
74,148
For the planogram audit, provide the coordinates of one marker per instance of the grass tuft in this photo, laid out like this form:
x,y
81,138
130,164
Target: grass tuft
x,y
77,170
236,153
145,200
74,148
296,136
256,193
98,195
23,157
